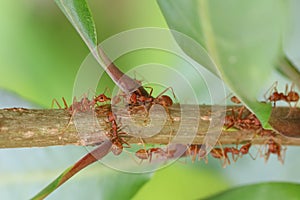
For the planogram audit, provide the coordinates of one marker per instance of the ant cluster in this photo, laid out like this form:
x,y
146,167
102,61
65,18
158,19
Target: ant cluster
x,y
199,152
243,119
136,100
240,119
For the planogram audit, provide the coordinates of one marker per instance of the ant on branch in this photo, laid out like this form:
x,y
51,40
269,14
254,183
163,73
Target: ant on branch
x,y
288,96
116,135
144,154
196,150
222,153
137,98
248,122
84,104
137,101
272,147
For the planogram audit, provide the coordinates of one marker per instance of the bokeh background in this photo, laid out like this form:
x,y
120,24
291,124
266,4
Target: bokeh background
x,y
40,53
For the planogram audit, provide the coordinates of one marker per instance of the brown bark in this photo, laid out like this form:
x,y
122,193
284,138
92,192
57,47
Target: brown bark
x,y
39,128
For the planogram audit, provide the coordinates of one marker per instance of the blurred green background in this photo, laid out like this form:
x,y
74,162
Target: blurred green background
x,y
40,54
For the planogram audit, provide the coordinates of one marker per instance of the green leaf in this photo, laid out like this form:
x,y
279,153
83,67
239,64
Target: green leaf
x,y
78,13
106,180
87,160
263,191
29,174
183,181
242,38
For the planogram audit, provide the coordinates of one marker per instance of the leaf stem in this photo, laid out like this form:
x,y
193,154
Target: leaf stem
x,y
87,160
288,68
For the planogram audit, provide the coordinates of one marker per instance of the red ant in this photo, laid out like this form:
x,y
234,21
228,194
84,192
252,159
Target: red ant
x,y
236,100
274,96
118,141
242,122
115,135
288,97
83,105
248,122
245,150
144,154
221,153
195,150
137,99
274,148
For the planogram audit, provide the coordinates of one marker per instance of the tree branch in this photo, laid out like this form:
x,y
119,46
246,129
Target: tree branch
x,y
21,127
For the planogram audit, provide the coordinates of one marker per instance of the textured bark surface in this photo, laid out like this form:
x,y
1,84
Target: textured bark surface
x,y
39,128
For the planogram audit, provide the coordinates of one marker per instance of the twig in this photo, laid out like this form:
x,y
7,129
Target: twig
x,y
39,128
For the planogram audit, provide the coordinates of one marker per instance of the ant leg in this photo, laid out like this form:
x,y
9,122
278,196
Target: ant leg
x,y
270,91
267,155
142,154
253,157
106,89
55,101
205,158
265,151
164,91
144,151
286,89
69,122
150,154
281,151
225,157
65,103
151,90
292,96
136,80
282,156
193,152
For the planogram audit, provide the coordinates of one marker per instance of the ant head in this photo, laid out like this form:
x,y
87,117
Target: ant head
x,y
102,98
245,148
234,99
